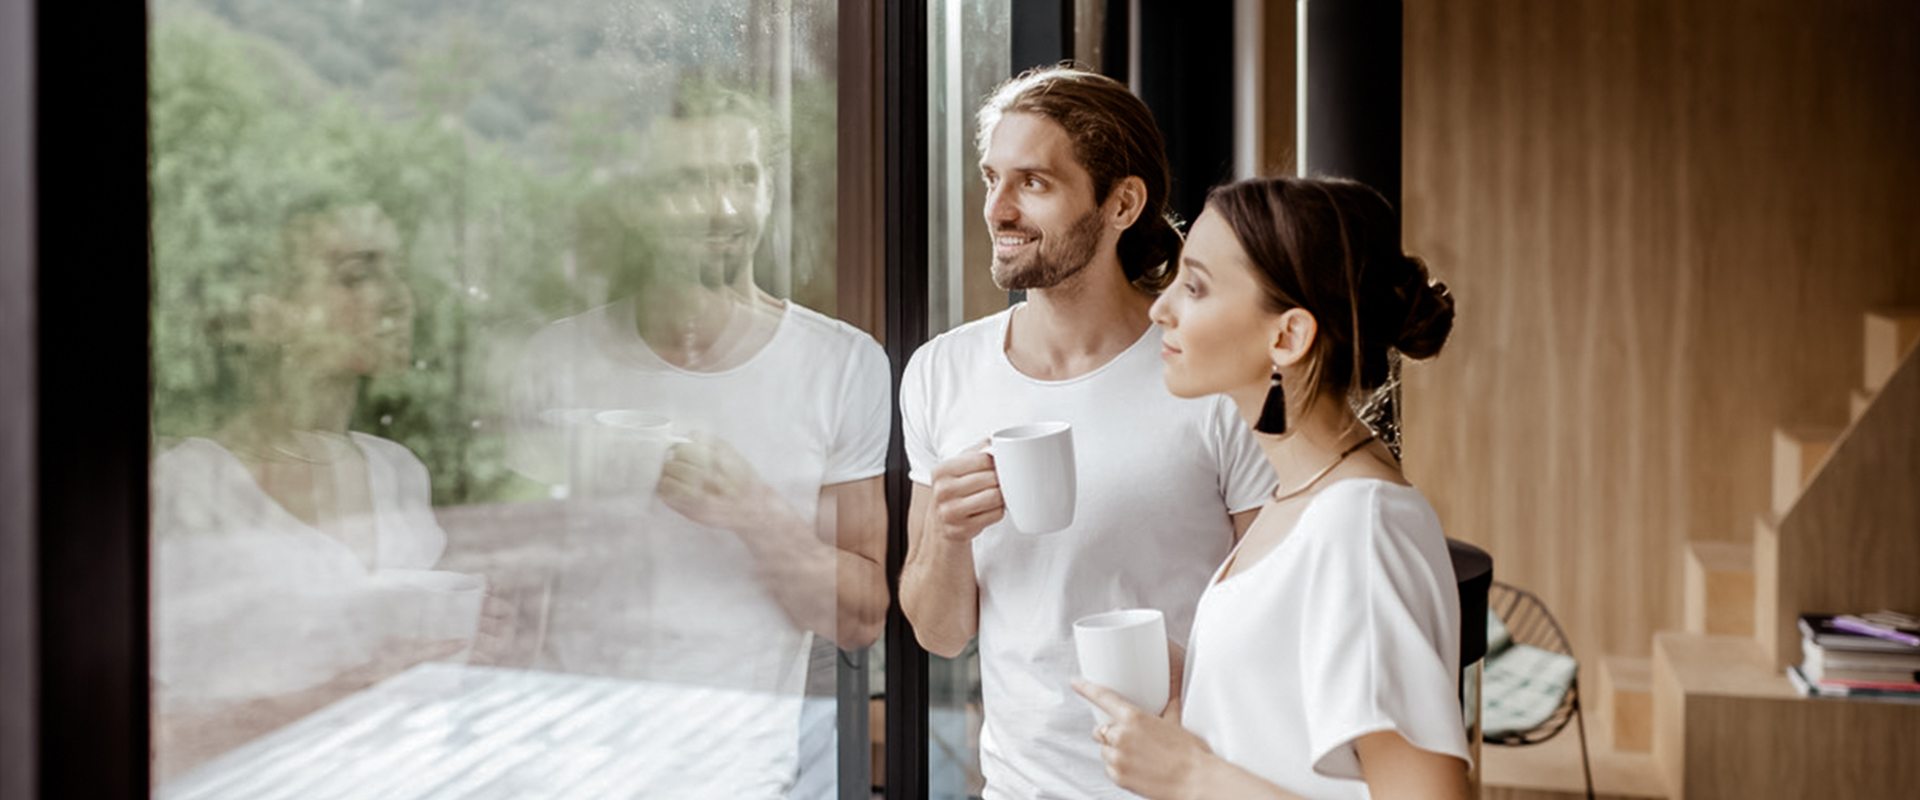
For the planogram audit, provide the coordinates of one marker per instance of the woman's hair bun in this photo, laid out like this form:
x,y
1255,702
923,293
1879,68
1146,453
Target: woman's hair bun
x,y
1429,313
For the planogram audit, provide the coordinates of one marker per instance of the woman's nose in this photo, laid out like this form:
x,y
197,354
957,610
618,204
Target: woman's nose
x,y
1161,311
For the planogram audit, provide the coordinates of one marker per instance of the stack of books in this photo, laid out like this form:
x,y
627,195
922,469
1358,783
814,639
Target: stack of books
x,y
1861,656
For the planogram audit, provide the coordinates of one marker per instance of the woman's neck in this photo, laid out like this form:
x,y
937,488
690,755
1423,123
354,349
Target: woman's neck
x,y
1318,433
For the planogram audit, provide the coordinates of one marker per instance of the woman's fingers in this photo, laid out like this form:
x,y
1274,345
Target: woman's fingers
x,y
1106,699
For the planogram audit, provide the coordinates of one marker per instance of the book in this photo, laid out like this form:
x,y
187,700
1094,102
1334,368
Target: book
x,y
1907,681
1882,625
1808,688
1822,631
1818,657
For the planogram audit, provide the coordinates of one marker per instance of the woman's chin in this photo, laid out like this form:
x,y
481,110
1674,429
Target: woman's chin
x,y
1185,390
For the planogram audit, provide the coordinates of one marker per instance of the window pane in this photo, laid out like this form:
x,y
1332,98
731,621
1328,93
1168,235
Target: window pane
x,y
508,445
969,46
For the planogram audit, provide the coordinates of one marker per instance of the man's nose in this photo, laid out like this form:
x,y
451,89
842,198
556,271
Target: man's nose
x,y
1000,205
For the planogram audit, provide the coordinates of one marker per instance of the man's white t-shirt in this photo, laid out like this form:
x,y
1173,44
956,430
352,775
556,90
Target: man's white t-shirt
x,y
1351,625
1158,477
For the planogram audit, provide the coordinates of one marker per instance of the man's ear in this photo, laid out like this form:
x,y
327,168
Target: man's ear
x,y
1125,202
1293,334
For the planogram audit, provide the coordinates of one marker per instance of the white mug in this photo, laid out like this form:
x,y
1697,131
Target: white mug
x,y
1125,651
1034,464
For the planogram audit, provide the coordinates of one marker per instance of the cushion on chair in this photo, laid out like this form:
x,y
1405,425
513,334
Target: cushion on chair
x,y
1521,685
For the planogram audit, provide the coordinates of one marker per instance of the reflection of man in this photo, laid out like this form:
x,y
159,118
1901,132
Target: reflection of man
x,y
1076,191
768,524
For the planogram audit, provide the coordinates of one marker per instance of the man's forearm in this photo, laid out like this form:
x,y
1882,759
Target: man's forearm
x,y
939,595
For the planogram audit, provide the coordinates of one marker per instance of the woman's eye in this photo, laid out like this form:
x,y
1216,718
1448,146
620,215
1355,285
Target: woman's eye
x,y
1193,289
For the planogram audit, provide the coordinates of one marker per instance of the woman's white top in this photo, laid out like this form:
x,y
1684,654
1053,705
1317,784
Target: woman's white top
x,y
1349,626
251,601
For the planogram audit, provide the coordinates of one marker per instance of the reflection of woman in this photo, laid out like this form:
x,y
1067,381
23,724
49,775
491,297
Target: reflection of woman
x,y
1323,660
290,552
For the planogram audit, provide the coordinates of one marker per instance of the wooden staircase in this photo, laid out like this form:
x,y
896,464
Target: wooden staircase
x,y
1712,706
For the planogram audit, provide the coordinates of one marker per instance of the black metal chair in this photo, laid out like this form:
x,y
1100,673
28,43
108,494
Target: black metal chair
x,y
1528,622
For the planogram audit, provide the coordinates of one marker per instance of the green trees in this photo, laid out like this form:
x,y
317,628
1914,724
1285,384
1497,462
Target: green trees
x,y
241,132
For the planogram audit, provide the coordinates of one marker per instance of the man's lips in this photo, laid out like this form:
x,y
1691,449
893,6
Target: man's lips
x,y
1012,241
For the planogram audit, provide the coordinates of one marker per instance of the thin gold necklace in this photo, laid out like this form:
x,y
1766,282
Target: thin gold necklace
x,y
1281,498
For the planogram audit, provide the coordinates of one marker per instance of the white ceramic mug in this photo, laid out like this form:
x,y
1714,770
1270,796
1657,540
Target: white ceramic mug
x,y
1034,464
1125,651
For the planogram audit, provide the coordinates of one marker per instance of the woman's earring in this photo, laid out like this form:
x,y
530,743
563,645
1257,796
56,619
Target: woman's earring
x,y
1273,415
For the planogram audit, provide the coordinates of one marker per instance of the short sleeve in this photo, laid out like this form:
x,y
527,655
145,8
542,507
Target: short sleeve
x,y
1380,635
859,448
1246,479
915,426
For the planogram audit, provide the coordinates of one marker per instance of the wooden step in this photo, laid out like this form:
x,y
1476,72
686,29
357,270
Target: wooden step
x,y
1797,452
1625,701
1768,627
1719,588
1890,332
1727,724
1857,402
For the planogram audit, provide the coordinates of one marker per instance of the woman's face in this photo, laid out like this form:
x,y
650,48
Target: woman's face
x,y
351,311
1219,335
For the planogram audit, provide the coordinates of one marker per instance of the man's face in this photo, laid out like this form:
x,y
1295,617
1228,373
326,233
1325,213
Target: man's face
x,y
709,195
1045,221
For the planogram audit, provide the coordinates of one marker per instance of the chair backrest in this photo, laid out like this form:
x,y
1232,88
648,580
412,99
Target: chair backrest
x,y
1528,622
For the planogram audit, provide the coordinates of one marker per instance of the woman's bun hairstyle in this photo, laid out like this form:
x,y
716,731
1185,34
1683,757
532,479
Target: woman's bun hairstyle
x,y
1332,247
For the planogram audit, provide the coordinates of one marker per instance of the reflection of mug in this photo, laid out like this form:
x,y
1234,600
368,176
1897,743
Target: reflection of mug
x,y
1125,651
630,448
1034,464
425,605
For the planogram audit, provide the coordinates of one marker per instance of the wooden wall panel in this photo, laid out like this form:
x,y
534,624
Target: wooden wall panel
x,y
1662,222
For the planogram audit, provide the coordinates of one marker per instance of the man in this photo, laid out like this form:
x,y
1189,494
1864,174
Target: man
x,y
1076,196
767,528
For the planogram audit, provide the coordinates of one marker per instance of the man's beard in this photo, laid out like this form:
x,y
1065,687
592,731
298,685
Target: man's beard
x,y
1046,266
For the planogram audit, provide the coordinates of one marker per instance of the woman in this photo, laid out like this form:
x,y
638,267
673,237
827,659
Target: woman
x,y
1324,655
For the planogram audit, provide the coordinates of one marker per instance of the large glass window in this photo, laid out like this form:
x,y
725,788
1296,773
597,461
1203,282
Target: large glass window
x,y
507,441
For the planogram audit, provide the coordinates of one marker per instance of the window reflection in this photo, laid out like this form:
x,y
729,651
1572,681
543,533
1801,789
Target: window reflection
x,y
507,446
293,557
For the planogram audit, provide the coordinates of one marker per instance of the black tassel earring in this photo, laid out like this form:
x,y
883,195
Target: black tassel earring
x,y
1273,415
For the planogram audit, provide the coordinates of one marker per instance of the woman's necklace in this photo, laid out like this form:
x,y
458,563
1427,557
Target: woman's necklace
x,y
1295,492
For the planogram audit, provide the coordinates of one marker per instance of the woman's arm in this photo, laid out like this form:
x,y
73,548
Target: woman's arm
x,y
1394,769
1156,758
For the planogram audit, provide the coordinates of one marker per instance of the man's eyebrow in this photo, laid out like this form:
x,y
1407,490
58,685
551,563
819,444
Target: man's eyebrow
x,y
1021,170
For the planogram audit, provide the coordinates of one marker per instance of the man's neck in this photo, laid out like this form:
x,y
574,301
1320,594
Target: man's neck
x,y
1078,326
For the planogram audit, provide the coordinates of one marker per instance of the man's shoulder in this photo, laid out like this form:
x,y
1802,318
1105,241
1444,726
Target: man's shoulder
x,y
965,338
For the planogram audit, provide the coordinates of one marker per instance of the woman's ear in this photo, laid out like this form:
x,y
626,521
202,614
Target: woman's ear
x,y
1126,200
1293,334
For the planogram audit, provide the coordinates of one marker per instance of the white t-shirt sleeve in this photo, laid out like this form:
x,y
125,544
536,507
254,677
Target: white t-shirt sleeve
x,y
1246,479
1378,641
859,448
915,426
